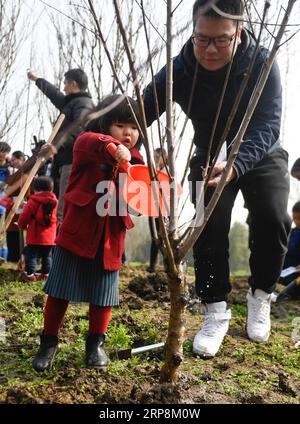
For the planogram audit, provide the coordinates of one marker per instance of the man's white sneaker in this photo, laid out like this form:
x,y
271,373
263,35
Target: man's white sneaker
x,y
259,321
208,340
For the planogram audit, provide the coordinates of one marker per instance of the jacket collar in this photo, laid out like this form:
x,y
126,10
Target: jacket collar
x,y
75,95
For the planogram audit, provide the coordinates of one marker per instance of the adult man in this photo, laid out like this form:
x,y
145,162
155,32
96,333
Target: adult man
x,y
74,104
260,169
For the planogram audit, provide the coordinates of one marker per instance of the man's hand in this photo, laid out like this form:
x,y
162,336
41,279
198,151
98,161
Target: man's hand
x,y
31,76
122,154
47,151
217,173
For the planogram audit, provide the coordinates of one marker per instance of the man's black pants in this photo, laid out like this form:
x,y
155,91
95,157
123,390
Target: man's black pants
x,y
265,190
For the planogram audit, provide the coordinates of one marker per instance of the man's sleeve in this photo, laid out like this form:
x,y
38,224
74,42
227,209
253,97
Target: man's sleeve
x,y
264,128
149,97
54,95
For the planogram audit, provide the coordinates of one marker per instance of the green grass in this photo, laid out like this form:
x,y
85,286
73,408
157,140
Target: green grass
x,y
235,374
118,337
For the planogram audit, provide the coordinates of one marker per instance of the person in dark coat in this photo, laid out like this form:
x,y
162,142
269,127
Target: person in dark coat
x,y
90,241
40,222
75,104
260,170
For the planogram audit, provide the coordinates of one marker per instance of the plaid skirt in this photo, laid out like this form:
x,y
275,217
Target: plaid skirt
x,y
79,279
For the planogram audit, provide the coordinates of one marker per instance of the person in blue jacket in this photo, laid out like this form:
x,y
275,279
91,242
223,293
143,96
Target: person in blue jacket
x,y
260,170
292,259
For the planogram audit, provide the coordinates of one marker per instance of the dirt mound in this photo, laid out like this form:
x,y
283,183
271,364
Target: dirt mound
x,y
151,287
162,394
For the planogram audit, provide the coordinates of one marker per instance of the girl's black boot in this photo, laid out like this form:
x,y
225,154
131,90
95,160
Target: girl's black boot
x,y
95,355
44,358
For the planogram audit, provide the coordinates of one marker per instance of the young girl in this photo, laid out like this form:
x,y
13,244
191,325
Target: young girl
x,y
89,248
39,218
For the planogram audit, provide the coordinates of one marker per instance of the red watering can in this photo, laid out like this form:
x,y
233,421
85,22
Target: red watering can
x,y
140,193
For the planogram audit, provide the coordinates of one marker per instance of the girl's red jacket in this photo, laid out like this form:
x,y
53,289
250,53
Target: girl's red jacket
x,y
82,228
34,219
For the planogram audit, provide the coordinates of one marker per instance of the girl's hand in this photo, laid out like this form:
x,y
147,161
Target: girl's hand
x,y
122,154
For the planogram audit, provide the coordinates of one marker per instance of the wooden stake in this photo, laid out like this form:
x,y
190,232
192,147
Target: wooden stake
x,y
31,175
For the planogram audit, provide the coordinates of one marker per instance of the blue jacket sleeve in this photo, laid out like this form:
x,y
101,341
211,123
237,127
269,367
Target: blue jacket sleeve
x,y
264,127
149,97
54,95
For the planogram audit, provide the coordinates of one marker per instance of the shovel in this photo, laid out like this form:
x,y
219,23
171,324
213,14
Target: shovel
x,y
289,290
128,353
138,189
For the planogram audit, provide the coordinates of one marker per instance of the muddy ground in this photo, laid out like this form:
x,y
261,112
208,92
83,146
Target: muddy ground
x,y
242,372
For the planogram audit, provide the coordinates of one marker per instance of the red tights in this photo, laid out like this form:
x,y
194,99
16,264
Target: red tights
x,y
55,309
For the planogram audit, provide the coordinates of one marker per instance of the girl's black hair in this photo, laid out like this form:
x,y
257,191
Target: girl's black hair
x,y
296,208
43,184
4,147
296,166
18,154
120,113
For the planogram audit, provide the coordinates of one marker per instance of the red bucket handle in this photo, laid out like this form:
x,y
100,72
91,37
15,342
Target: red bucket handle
x,y
112,148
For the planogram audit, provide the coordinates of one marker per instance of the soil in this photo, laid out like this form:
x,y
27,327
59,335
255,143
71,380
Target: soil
x,y
242,372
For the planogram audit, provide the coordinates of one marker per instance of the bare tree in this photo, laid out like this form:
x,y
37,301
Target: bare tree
x,y
173,243
175,248
11,39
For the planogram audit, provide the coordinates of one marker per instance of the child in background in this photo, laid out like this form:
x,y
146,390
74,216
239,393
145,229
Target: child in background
x,y
295,171
5,169
292,259
40,221
3,243
17,160
89,247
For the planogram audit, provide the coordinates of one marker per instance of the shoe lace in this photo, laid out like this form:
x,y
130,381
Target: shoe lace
x,y
211,326
260,310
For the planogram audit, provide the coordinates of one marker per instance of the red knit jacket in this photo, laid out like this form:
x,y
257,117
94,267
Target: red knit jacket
x,y
34,219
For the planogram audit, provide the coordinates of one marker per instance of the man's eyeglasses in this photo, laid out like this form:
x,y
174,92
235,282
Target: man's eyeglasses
x,y
219,42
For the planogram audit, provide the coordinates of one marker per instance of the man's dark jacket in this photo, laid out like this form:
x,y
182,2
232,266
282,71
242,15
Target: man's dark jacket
x,y
262,135
74,106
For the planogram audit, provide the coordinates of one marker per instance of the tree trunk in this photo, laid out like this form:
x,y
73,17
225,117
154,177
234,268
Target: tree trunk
x,y
176,332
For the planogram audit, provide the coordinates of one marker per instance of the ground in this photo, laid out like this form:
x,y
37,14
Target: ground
x,y
242,372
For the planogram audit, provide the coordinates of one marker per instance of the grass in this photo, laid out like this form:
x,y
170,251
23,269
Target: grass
x,y
241,370
118,337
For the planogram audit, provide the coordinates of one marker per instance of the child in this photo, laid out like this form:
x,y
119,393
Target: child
x,y
5,170
40,221
292,259
295,171
89,247
17,160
